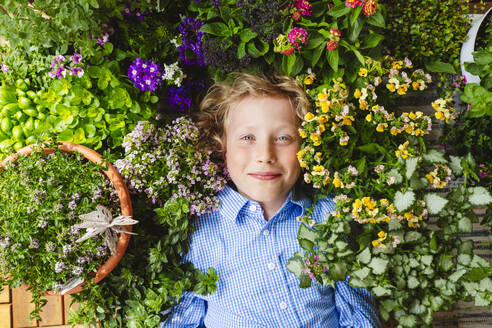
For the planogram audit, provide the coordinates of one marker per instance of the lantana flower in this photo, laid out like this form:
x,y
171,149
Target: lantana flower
x,y
369,8
297,36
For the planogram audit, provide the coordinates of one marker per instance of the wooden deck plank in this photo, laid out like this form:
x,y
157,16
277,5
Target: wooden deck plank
x,y
52,314
21,307
5,295
66,305
5,316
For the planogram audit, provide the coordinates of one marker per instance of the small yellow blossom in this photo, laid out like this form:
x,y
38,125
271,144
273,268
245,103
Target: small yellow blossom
x,y
391,87
322,96
412,115
357,203
397,64
337,183
347,120
394,131
309,117
382,235
321,129
363,104
322,119
303,164
357,93
309,79
369,117
363,72
415,85
381,127
402,89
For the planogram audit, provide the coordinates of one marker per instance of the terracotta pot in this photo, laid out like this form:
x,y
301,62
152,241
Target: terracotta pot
x,y
123,195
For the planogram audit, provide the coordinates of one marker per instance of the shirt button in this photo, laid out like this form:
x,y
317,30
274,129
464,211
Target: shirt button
x,y
252,208
271,266
283,305
266,232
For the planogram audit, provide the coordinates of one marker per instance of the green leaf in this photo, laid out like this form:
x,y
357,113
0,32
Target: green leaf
x,y
338,271
377,19
465,225
455,165
218,29
411,164
371,40
434,203
370,148
408,321
412,236
60,87
436,302
339,10
457,275
440,67
241,50
404,200
483,57
412,282
378,265
355,31
66,135
395,174
332,57
362,273
364,256
435,156
380,291
288,63
479,196
296,264
246,35
354,14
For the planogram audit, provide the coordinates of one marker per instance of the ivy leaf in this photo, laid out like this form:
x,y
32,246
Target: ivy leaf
x,y
378,265
434,203
435,156
411,164
296,264
479,196
404,200
362,273
455,165
408,321
412,282
457,275
412,236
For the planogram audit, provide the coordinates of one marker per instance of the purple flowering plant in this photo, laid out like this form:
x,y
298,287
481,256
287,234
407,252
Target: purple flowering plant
x,y
166,165
41,199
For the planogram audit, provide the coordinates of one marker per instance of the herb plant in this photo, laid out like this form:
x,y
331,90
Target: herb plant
x,y
41,199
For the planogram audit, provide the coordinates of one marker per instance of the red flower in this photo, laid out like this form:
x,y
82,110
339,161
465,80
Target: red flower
x,y
296,16
288,51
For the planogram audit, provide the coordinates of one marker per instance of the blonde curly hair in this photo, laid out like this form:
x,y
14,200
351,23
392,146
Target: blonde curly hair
x,y
215,107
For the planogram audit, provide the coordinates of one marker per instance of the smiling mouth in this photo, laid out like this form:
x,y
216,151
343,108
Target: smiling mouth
x,y
265,176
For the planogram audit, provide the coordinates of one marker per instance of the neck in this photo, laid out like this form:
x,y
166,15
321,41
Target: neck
x,y
270,208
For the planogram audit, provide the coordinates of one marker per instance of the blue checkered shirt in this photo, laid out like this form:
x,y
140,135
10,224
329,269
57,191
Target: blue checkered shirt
x,y
255,289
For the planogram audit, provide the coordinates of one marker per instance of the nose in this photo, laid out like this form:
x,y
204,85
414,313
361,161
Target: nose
x,y
265,152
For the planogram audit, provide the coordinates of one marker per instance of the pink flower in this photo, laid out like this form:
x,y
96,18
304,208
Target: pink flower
x,y
304,7
297,35
331,45
296,16
353,3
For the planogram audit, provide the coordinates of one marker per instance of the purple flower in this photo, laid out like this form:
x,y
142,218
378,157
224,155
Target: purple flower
x,y
67,249
145,74
103,39
5,242
34,244
59,266
76,58
82,260
77,71
180,98
192,40
77,270
5,68
72,205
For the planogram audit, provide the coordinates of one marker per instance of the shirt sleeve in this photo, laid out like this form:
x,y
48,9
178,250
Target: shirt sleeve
x,y
188,313
356,307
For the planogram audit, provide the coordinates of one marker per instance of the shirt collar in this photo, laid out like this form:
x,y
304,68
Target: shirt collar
x,y
231,202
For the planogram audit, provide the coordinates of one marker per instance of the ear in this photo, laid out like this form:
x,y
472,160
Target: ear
x,y
224,156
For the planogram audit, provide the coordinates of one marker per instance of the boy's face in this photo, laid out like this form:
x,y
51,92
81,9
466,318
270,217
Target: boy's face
x,y
261,149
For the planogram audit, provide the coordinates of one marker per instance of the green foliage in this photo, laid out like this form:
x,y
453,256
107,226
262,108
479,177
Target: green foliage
x,y
97,109
149,279
427,30
41,197
234,27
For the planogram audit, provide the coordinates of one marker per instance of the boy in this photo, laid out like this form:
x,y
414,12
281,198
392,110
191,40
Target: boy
x,y
254,122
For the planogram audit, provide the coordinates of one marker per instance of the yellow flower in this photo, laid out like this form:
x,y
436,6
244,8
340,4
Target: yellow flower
x,y
303,164
357,203
394,131
408,215
343,142
325,106
337,183
309,79
391,87
381,127
318,156
429,177
309,117
376,243
397,64
318,169
321,128
347,120
369,117
366,200
382,235
385,219
357,93
302,133
415,85
412,115
409,128
322,96
440,115
363,104
322,119
402,89
363,72
315,137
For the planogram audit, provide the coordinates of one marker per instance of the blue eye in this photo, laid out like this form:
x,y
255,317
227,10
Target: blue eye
x,y
283,138
248,138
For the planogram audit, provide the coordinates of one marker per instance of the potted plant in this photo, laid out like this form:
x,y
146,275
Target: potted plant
x,y
62,207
